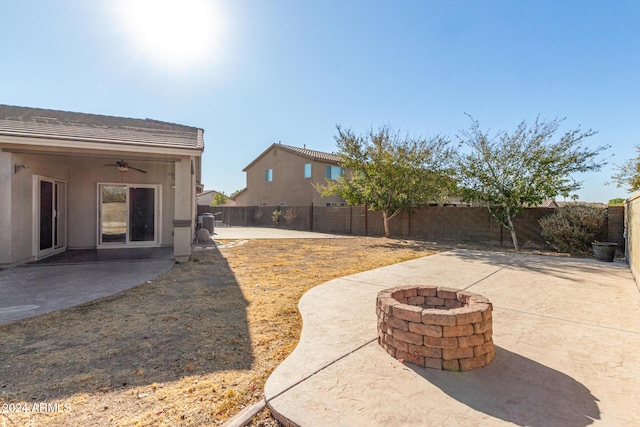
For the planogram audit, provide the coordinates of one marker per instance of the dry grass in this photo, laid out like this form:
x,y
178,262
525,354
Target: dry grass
x,y
190,348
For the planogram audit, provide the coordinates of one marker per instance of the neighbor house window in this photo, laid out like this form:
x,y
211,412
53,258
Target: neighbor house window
x,y
268,176
334,172
307,170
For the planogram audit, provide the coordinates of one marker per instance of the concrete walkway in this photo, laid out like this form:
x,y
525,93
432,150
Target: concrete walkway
x,y
224,233
567,336
76,277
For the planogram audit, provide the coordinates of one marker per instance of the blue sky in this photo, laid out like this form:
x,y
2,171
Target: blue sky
x,y
290,70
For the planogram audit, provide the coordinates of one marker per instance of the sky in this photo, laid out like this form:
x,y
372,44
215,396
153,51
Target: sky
x,y
254,72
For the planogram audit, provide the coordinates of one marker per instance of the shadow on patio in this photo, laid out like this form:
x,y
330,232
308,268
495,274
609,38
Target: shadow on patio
x,y
519,390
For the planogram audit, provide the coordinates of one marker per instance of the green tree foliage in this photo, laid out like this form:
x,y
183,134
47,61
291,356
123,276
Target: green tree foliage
x,y
390,173
628,174
219,199
573,227
616,202
509,171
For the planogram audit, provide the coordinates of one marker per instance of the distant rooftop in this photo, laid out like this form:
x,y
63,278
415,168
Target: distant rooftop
x,y
311,154
44,123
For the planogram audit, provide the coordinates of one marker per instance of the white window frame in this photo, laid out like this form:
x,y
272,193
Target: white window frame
x,y
61,214
128,244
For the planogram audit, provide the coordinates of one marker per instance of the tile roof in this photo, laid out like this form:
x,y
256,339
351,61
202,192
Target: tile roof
x,y
304,152
44,123
311,154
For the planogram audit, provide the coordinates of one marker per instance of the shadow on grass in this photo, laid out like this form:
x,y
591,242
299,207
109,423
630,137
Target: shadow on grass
x,y
519,390
189,321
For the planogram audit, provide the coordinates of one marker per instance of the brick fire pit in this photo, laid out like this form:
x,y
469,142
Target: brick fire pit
x,y
436,327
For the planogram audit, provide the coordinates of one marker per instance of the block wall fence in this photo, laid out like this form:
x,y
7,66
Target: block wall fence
x,y
632,233
438,223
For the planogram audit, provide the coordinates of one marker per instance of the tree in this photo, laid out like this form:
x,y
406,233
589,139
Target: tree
x,y
219,199
629,174
507,172
616,202
390,173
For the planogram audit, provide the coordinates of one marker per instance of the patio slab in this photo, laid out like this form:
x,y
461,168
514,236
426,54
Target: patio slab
x,y
566,332
76,277
225,233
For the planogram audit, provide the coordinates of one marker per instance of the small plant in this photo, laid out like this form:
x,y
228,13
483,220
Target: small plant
x,y
290,215
572,228
275,216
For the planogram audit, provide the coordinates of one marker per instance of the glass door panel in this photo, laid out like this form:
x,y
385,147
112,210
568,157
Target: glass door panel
x,y
46,215
49,216
113,214
142,215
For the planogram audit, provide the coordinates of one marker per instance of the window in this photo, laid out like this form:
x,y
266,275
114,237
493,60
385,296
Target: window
x,y
268,176
334,172
307,170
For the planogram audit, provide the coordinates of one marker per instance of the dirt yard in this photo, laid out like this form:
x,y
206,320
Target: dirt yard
x,y
190,348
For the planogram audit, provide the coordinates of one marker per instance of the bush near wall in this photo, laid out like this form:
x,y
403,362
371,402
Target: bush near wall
x,y
573,227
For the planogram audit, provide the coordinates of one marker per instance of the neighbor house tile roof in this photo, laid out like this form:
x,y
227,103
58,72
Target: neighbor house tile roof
x,y
304,152
55,124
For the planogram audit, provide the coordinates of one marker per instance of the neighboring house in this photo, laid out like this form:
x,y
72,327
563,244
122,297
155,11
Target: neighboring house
x,y
207,198
81,181
240,198
284,175
549,203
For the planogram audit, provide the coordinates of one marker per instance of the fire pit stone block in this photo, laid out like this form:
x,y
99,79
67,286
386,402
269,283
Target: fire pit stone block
x,y
436,327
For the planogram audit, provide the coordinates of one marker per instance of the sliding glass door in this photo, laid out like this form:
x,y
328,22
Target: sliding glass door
x,y
50,216
128,215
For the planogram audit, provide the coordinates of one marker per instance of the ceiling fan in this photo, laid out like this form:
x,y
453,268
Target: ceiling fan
x,y
124,166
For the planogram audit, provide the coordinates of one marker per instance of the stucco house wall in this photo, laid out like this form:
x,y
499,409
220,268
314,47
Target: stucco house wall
x,y
81,166
288,187
82,179
240,199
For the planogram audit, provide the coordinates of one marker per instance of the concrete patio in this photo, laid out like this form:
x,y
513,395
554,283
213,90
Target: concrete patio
x,y
566,331
225,233
76,277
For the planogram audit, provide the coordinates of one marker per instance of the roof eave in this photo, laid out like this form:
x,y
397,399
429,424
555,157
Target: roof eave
x,y
90,143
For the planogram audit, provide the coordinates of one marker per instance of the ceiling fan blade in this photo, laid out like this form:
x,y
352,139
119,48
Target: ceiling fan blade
x,y
136,169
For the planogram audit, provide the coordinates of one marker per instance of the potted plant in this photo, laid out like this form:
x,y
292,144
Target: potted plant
x,y
604,251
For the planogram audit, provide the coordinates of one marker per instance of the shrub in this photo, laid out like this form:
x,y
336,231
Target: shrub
x,y
275,216
573,227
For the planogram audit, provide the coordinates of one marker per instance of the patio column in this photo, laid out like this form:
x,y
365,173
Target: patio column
x,y
6,171
183,221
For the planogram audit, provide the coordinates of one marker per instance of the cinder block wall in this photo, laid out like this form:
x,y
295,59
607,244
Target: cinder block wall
x,y
438,223
615,226
632,228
